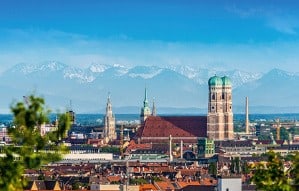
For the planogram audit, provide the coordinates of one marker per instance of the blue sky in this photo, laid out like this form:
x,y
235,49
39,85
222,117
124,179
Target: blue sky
x,y
253,36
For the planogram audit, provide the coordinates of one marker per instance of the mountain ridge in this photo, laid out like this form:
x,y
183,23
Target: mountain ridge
x,y
172,86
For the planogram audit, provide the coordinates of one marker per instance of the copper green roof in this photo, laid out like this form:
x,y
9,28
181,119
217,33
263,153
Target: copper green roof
x,y
226,81
215,81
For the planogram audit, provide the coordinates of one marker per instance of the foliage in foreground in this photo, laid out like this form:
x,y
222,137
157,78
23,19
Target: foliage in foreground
x,y
273,176
27,148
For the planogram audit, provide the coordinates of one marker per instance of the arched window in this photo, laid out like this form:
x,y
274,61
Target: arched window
x,y
213,96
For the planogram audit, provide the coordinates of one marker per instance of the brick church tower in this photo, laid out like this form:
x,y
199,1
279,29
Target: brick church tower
x,y
220,116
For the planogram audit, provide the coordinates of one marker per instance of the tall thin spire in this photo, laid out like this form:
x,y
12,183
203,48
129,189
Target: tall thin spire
x,y
145,102
145,110
108,100
109,106
247,117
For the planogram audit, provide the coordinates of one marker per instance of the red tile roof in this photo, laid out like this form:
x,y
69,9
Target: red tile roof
x,y
133,146
183,184
164,185
176,126
147,187
113,178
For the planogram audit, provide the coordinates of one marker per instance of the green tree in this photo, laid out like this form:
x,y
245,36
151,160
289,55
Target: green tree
x,y
245,168
212,168
284,134
237,164
295,169
232,165
110,149
27,148
294,130
270,176
263,137
138,181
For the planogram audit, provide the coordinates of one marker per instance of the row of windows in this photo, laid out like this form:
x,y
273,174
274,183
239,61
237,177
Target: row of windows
x,y
213,96
220,108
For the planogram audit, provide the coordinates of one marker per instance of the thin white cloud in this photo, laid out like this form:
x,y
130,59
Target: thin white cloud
x,y
277,18
284,24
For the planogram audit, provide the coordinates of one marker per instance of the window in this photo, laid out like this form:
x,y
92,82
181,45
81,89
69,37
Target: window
x,y
213,96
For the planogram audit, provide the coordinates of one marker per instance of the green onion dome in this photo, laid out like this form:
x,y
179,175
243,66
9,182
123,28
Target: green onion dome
x,y
215,81
226,81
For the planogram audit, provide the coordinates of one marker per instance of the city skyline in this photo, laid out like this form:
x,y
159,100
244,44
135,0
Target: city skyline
x,y
250,36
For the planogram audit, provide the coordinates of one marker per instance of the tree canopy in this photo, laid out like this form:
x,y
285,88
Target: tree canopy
x,y
27,148
272,175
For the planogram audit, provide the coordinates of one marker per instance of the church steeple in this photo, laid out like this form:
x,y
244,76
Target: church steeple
x,y
145,102
109,122
109,106
145,110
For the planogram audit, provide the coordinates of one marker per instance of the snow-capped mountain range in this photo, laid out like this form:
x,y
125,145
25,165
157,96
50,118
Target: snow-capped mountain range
x,y
172,86
88,75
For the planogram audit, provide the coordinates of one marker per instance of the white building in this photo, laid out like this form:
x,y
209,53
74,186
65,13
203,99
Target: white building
x,y
229,183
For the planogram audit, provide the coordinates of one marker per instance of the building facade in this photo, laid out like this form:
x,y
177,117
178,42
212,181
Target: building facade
x,y
206,148
109,132
220,115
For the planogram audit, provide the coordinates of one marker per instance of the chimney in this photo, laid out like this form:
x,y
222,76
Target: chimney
x,y
170,149
246,118
277,129
182,149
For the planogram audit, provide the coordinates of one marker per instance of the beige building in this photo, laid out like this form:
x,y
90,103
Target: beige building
x,y
109,132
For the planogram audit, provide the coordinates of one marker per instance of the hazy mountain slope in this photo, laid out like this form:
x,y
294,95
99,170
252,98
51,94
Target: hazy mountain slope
x,y
170,86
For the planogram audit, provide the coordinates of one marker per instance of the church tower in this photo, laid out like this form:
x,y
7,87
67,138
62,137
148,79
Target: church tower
x,y
220,115
109,122
145,110
227,109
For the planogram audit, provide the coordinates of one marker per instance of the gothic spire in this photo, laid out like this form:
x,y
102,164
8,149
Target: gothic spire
x,y
109,106
145,102
108,100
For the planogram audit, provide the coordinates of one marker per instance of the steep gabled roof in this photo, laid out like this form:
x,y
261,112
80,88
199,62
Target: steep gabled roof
x,y
176,126
42,185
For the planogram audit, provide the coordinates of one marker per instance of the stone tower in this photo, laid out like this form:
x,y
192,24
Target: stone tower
x,y
220,116
109,122
145,110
